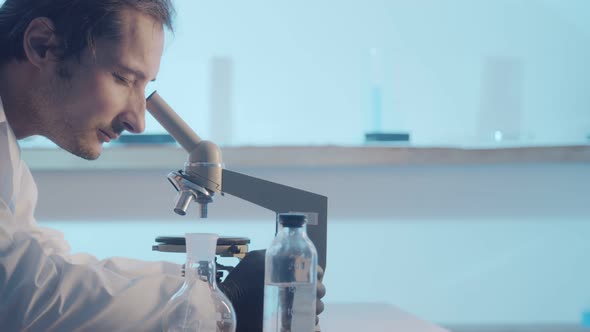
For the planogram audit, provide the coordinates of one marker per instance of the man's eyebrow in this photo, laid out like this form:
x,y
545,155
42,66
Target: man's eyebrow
x,y
137,73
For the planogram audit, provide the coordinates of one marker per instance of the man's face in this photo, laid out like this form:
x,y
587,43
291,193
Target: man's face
x,y
104,94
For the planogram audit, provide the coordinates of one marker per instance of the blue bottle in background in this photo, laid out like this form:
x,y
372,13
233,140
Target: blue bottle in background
x,y
586,318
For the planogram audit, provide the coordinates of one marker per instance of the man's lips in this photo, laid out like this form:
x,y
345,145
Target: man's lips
x,y
106,136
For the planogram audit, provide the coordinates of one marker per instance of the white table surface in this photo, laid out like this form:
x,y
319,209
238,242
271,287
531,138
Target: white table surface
x,y
373,317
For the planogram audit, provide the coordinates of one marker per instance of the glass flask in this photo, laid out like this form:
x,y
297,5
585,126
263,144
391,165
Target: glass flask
x,y
199,305
290,278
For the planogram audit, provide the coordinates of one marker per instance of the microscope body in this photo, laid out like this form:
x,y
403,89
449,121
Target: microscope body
x,y
204,175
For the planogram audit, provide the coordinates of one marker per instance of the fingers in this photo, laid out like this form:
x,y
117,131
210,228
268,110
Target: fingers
x,y
319,307
321,290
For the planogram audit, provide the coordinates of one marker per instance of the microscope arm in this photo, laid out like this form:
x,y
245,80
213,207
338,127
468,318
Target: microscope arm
x,y
280,198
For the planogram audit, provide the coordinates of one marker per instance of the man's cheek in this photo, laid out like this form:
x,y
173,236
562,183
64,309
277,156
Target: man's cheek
x,y
106,104
111,100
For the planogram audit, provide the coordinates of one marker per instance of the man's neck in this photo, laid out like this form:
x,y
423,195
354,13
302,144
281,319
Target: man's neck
x,y
14,91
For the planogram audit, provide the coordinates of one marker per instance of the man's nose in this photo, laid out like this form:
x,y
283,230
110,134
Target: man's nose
x,y
133,120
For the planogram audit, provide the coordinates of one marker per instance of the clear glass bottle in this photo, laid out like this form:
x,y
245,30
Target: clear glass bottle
x,y
290,278
199,305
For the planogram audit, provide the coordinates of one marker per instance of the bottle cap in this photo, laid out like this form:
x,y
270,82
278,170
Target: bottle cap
x,y
201,246
292,219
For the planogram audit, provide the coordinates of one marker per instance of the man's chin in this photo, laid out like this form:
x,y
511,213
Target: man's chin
x,y
85,152
79,147
93,156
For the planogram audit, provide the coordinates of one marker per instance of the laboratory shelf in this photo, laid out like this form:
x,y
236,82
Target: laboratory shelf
x,y
170,156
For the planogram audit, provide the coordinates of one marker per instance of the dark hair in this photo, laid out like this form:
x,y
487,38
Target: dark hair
x,y
78,22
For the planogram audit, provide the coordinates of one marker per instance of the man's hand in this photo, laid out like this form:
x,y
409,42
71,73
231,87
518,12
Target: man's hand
x,y
319,305
244,287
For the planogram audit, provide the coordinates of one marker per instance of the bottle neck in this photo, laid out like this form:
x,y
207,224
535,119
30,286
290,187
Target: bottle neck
x,y
201,271
292,231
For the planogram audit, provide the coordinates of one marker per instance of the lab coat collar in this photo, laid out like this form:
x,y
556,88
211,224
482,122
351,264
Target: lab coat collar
x,y
9,152
2,115
13,146
14,150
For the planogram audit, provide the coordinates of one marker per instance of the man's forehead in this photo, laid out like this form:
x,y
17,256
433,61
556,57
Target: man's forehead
x,y
136,24
139,46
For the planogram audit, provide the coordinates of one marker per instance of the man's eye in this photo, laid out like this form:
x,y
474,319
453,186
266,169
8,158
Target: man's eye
x,y
121,79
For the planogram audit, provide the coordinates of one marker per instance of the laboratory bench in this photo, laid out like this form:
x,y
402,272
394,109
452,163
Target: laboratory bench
x,y
374,317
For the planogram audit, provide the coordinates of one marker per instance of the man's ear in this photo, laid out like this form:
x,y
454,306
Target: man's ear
x,y
40,43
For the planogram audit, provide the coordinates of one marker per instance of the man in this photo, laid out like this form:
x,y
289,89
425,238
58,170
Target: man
x,y
75,72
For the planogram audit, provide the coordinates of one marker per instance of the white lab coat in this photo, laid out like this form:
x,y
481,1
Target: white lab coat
x,y
45,288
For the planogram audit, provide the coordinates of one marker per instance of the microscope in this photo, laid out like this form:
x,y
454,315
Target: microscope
x,y
204,175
